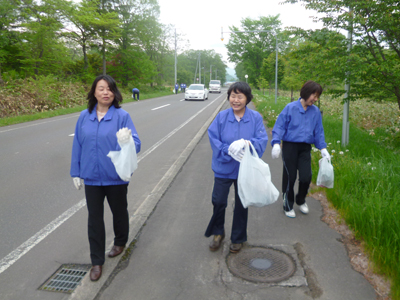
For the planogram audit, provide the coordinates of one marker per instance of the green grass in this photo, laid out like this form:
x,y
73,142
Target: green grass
x,y
64,111
367,176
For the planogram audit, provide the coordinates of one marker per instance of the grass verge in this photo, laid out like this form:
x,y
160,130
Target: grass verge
x,y
6,121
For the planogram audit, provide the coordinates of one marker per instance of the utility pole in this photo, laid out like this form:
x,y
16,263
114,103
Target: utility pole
x,y
199,69
346,105
210,71
175,60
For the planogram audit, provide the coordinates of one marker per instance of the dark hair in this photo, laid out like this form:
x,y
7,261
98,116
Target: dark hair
x,y
309,88
113,88
241,87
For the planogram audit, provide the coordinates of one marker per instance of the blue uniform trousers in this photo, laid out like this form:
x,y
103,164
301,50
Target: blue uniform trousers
x,y
220,202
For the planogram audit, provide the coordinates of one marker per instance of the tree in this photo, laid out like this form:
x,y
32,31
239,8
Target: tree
x,y
252,43
44,52
374,62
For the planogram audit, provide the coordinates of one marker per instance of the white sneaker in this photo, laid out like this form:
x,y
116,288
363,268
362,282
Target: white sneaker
x,y
304,208
290,213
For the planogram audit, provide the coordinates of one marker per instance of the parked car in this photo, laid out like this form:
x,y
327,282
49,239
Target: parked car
x,y
215,86
196,92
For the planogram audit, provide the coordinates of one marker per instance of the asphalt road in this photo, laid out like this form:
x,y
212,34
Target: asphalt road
x,y
43,218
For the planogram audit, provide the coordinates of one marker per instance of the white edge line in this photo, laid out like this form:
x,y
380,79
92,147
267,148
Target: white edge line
x,y
25,247
15,255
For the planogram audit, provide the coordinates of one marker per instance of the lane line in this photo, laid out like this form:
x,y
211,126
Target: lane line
x,y
75,115
160,107
25,247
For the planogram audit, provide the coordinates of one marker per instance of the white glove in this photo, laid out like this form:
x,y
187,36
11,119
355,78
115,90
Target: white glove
x,y
237,146
238,157
124,135
325,153
276,150
78,183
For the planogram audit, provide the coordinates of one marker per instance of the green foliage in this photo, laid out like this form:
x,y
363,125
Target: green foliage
x,y
252,43
374,60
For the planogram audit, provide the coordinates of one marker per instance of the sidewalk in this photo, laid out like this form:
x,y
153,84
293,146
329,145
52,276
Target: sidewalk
x,y
171,259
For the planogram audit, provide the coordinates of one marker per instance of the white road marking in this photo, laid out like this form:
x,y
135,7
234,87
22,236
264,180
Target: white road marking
x,y
75,115
160,107
15,255
25,247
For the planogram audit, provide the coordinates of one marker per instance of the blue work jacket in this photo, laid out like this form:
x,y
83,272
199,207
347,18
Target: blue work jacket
x,y
92,142
294,124
225,129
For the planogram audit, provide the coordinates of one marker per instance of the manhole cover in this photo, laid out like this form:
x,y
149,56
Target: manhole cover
x,y
66,278
261,264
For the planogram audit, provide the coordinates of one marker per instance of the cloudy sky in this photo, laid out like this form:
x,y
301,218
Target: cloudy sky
x,y
201,21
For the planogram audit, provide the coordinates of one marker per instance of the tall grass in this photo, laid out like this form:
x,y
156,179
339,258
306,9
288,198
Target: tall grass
x,y
28,100
367,175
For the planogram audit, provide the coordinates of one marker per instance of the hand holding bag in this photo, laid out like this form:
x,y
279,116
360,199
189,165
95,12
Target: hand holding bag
x,y
125,161
255,187
325,174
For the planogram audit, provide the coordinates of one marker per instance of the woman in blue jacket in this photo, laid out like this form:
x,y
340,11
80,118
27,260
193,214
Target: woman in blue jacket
x,y
298,126
100,129
228,133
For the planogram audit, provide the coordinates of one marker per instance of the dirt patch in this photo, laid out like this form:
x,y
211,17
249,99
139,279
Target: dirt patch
x,y
358,257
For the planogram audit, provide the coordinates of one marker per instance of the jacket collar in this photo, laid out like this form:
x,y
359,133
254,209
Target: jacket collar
x,y
108,116
245,118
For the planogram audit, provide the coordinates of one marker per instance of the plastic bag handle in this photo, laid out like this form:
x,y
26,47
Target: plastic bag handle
x,y
255,154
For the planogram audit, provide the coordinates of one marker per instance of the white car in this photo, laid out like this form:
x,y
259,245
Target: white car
x,y
215,86
196,92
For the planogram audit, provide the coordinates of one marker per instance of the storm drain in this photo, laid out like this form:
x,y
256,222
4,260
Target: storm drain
x,y
259,264
66,278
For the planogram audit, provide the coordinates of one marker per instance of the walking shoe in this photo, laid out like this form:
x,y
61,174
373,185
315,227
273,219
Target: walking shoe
x,y
235,248
115,251
290,213
216,242
95,273
304,208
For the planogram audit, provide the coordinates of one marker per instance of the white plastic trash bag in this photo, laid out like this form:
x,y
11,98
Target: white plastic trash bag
x,y
255,187
325,174
125,160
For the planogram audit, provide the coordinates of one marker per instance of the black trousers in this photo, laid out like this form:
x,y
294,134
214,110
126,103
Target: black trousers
x,y
117,200
134,95
296,157
220,202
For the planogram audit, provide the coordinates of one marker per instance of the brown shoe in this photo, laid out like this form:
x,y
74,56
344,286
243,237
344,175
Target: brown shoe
x,y
216,242
95,273
115,251
235,248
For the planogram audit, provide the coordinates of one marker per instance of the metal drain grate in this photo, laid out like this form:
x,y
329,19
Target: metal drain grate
x,y
66,278
259,264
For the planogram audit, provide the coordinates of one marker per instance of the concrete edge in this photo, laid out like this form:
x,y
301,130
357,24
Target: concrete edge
x,y
88,290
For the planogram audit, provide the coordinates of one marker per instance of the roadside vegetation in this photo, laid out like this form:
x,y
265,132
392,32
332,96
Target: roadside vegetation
x,y
367,174
47,96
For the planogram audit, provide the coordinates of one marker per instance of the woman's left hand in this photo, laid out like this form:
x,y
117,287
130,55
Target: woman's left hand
x,y
124,135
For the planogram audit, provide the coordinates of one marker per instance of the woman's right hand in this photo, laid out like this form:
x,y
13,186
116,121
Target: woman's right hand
x,y
78,183
276,150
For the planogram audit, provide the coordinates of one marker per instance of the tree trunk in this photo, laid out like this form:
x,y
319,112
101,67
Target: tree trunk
x,y
104,57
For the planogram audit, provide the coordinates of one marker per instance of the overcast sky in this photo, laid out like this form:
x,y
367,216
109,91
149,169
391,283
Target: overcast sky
x,y
201,21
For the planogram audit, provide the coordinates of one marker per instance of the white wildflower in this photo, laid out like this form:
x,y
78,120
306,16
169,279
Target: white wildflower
x,y
369,164
333,151
341,152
